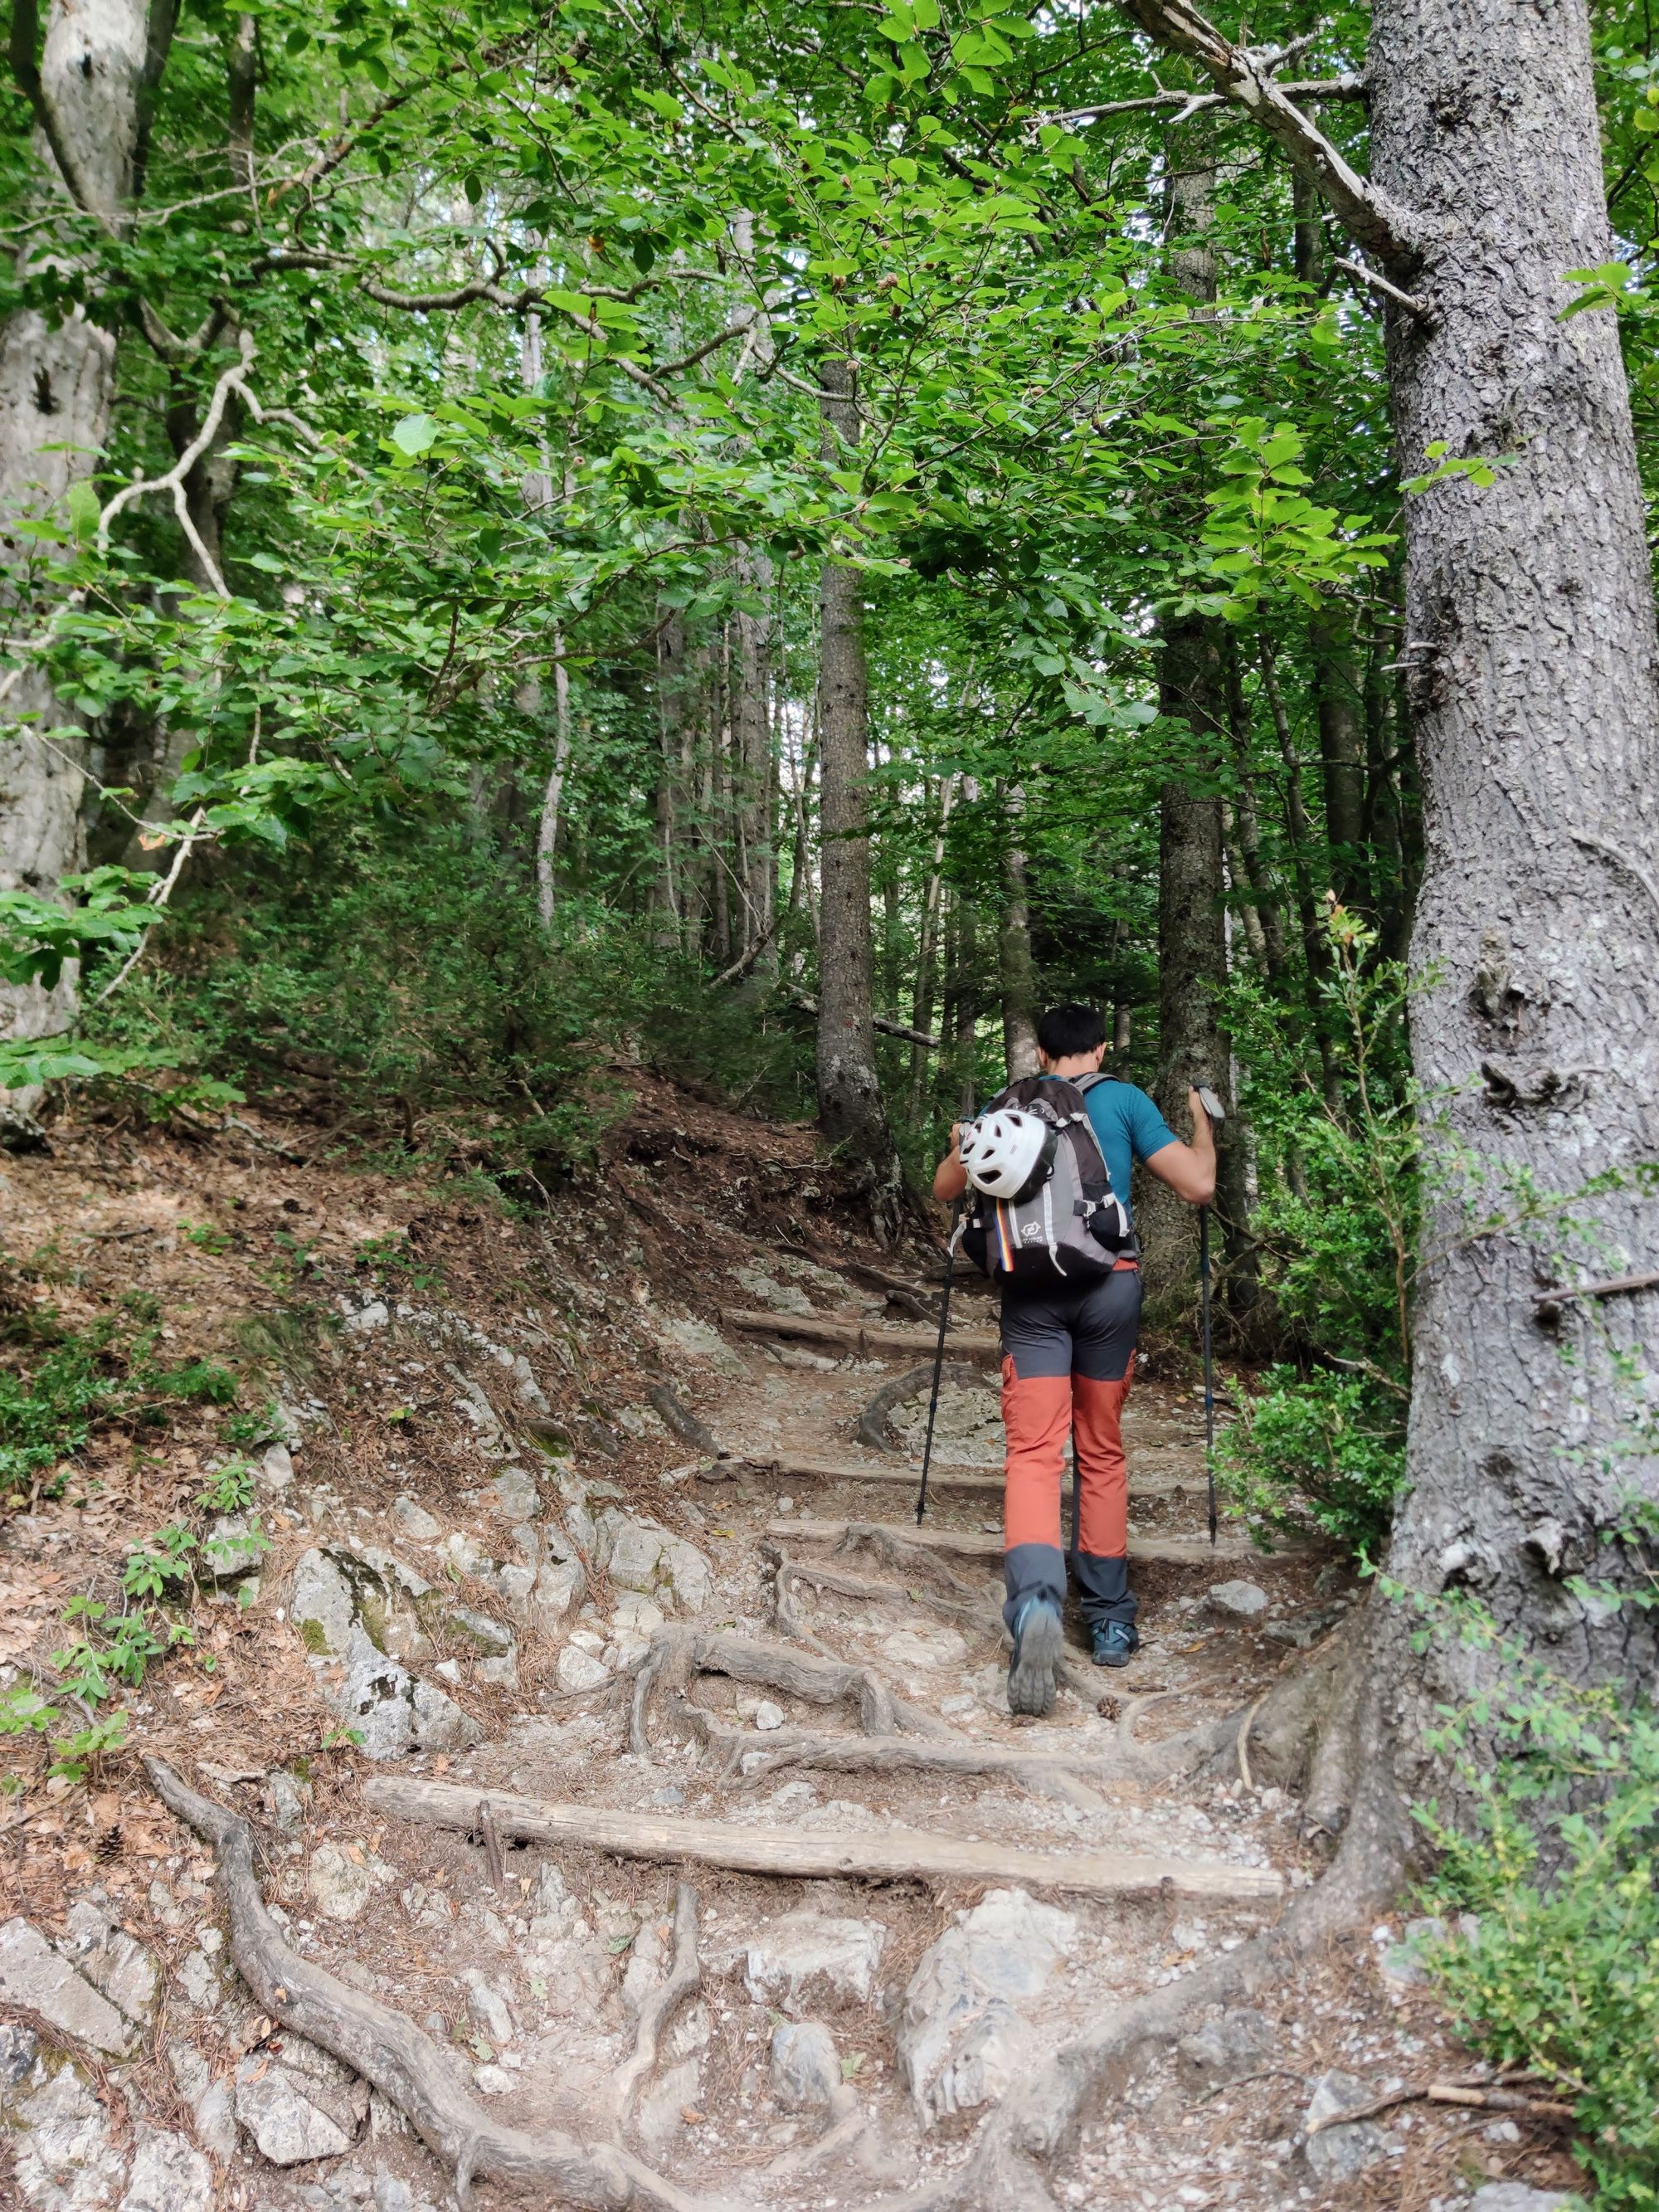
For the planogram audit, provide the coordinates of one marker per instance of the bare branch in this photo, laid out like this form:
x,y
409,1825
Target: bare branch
x,y
174,481
1193,103
1416,307
1386,230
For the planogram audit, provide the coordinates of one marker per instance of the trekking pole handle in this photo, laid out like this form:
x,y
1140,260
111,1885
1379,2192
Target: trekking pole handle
x,y
1211,1105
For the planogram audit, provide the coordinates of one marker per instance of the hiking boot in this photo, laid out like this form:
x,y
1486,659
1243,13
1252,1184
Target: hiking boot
x,y
1115,1642
1036,1654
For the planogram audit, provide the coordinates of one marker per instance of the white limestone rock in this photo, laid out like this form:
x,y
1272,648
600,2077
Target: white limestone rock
x,y
65,2157
969,2018
168,2174
36,1978
1237,1600
815,1952
806,2068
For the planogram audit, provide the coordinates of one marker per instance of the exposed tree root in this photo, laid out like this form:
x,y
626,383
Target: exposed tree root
x,y
405,2065
684,1975
872,1431
677,1654
1056,1776
847,2124
790,1571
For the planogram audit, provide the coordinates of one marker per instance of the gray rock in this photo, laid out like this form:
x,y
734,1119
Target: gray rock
x,y
1239,1601
198,1977
341,1884
513,1492
232,1549
394,1710
768,1715
288,1800
1516,2197
168,2174
114,1962
782,1298
415,1519
19,2049
211,2111
363,1320
37,1978
805,2066
967,2027
488,2009
64,2155
1238,2044
1338,2153
1304,1629
811,1951
302,2106
663,1567
276,1467
579,1670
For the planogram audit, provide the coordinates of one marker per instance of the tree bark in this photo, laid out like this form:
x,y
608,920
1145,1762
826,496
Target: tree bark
x,y
1531,635
90,89
1341,748
1191,961
850,1107
921,1008
1015,969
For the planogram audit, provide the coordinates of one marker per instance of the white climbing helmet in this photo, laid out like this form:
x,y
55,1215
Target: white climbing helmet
x,y
1002,1151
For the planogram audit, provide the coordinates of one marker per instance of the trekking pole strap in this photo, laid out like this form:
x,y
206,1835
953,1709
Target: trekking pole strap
x,y
939,1358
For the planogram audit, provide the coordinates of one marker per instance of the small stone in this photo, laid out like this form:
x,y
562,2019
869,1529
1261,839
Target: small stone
x,y
579,1670
19,2049
768,1715
207,2095
1340,2151
494,2080
415,1519
365,1320
36,1978
1238,1600
168,2175
288,1801
1518,2196
1238,2044
276,1467
340,1884
786,1505
487,2008
64,2156
811,1950
805,2067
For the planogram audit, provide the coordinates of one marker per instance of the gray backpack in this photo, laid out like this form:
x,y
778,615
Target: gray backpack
x,y
1067,1223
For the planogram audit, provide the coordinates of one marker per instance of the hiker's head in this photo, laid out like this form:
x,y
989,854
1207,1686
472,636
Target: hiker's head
x,y
1071,1039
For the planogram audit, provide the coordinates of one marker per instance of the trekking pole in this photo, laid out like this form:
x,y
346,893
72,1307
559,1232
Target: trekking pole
x,y
1212,1108
943,1322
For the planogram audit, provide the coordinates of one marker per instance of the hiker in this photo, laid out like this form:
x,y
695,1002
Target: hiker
x,y
1068,1345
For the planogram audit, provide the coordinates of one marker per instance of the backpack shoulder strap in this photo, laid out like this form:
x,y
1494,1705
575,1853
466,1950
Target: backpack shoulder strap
x,y
1088,1082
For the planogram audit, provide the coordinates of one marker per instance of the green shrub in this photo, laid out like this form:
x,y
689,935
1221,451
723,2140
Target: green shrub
x,y
1316,1451
1320,1443
1559,1976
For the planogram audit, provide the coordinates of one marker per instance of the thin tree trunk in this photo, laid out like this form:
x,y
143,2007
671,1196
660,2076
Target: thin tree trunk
x,y
921,1005
1192,893
1263,921
1017,972
89,89
667,898
1122,1008
1315,953
1339,701
850,1105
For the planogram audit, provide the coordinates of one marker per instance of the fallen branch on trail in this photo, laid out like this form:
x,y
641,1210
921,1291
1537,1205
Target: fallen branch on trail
x,y
973,1544
898,1854
417,2074
1481,2099
850,1332
938,1478
684,1975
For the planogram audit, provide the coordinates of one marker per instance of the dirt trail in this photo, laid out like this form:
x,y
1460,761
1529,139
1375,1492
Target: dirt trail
x,y
498,1529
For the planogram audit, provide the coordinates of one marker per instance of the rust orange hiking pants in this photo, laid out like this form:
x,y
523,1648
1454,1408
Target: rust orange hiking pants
x,y
1068,1359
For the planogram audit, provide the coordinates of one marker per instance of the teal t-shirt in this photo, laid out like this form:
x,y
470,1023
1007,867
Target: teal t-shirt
x,y
1129,1127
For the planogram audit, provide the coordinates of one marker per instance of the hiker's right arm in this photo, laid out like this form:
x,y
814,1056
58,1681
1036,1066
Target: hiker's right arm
x,y
950,1177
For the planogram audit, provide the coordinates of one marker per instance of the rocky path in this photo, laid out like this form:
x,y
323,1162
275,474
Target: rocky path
x,y
689,1854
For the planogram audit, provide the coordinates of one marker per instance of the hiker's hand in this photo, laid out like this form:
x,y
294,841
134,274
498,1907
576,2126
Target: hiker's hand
x,y
1195,1107
956,1128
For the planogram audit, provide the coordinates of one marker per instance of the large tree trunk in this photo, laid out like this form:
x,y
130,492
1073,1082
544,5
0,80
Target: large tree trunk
x,y
89,91
1530,632
850,1105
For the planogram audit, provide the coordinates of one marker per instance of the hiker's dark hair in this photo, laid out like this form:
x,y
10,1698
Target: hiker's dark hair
x,y
1064,1030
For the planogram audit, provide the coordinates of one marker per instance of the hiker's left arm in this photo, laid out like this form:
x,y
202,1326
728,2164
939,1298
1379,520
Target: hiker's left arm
x,y
950,1177
1189,1170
